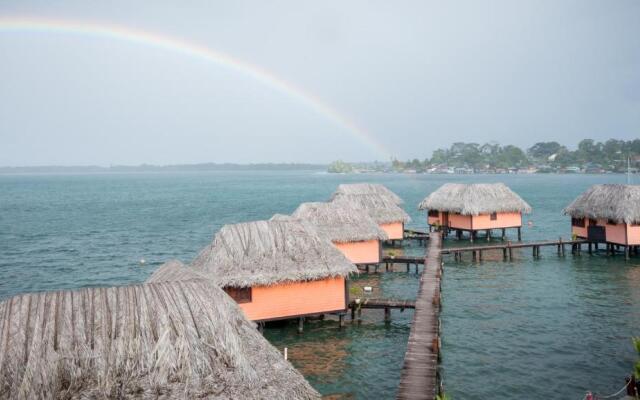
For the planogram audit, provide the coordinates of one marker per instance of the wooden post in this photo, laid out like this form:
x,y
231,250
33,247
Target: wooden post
x,y
340,320
503,233
519,234
387,314
626,252
300,324
479,255
408,267
472,235
488,234
367,268
596,245
534,251
510,250
504,253
353,313
473,255
590,247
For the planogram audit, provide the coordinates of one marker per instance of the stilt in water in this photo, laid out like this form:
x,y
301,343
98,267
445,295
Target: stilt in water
x,y
387,314
503,233
472,235
590,248
488,235
519,234
300,324
479,255
340,320
504,253
626,252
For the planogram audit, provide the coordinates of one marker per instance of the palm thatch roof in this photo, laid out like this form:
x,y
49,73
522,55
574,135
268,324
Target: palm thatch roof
x,y
474,199
366,188
163,341
171,271
340,223
380,209
620,203
263,253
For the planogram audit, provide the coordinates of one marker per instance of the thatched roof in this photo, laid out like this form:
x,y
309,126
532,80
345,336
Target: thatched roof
x,y
171,271
269,252
380,209
163,341
340,223
620,203
474,199
366,188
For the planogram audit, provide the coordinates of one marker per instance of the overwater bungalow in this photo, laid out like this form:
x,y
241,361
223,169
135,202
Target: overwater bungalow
x,y
387,214
350,189
277,269
474,207
351,230
607,214
177,340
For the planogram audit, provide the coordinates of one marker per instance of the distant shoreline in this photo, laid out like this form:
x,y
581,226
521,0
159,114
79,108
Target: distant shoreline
x,y
93,169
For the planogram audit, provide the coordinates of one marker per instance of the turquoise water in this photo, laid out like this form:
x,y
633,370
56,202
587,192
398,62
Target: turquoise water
x,y
549,328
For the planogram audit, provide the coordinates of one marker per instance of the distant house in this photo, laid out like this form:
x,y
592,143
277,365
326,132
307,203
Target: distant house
x,y
277,269
172,340
351,230
357,189
473,208
607,214
387,214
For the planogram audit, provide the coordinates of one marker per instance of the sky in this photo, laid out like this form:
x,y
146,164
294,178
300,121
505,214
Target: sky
x,y
356,80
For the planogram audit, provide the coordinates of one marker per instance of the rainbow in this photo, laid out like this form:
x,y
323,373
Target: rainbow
x,y
196,51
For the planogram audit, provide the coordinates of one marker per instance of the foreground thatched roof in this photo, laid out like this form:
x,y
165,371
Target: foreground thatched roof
x,y
366,188
620,203
474,199
340,223
270,252
163,341
380,209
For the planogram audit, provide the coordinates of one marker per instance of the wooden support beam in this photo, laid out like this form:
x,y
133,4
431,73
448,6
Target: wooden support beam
x,y
519,234
341,320
300,324
387,314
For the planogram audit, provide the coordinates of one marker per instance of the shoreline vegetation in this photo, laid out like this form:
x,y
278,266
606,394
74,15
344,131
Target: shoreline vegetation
x,y
611,156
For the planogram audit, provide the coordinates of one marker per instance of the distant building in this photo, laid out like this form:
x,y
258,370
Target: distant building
x,y
473,208
607,214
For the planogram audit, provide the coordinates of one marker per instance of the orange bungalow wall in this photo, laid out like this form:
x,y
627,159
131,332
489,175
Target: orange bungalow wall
x,y
394,230
362,252
478,222
288,300
615,233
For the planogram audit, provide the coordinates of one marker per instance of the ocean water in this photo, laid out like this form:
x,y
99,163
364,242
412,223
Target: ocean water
x,y
548,328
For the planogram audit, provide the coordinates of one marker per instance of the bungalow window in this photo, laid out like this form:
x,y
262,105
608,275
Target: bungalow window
x,y
494,216
434,213
240,295
577,222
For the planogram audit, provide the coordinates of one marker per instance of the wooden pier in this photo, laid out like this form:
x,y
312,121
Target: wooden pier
x,y
419,379
413,234
381,304
507,248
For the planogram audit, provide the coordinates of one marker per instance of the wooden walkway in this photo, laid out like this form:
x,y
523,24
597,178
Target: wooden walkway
x,y
507,248
419,379
412,234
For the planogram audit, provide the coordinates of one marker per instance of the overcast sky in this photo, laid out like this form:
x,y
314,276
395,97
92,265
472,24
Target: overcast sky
x,y
416,75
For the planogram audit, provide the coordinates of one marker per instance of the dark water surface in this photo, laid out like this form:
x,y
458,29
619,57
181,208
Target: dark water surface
x,y
549,328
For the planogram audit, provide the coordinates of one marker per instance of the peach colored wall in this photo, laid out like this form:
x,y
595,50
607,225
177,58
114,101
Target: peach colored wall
x,y
579,231
362,252
503,220
433,220
292,299
633,234
615,233
394,230
459,221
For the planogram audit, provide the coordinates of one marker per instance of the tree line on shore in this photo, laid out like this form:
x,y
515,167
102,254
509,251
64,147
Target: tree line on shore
x,y
610,155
